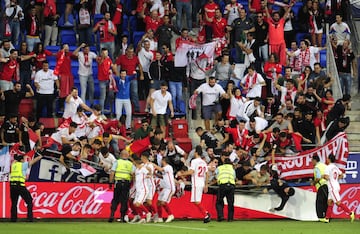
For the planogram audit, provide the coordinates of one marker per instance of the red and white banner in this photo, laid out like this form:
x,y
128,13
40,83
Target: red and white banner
x,y
188,52
299,166
80,200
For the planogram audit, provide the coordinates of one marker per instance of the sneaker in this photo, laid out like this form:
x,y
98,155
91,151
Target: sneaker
x,y
148,217
352,216
169,219
111,219
135,219
142,221
126,218
207,218
155,218
324,220
160,220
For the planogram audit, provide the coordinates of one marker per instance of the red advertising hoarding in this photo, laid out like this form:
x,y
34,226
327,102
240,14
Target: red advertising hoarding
x,y
79,200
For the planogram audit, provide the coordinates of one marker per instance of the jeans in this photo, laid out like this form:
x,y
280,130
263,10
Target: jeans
x,y
110,46
345,82
264,52
44,100
103,85
134,94
87,82
31,41
51,34
15,32
186,6
85,36
223,83
196,6
119,104
176,93
6,85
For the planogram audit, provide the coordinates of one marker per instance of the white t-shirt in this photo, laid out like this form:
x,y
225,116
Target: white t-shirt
x,y
260,124
313,52
64,132
168,181
46,81
71,106
236,105
200,168
81,122
333,172
108,161
210,94
85,68
256,90
150,180
161,101
233,12
145,59
140,176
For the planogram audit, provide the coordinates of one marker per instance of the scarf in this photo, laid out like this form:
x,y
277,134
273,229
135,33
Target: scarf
x,y
345,53
59,63
86,60
33,26
250,80
304,58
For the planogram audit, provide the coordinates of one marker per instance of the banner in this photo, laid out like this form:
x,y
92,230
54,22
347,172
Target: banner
x,y
74,200
4,163
352,174
189,52
300,166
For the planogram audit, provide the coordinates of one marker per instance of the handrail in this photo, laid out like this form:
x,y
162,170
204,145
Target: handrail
x,y
331,66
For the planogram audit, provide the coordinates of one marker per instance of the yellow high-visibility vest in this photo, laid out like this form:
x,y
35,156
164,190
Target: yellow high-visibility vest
x,y
322,181
123,170
226,174
16,174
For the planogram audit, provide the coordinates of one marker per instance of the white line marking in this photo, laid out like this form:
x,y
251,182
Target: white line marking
x,y
172,226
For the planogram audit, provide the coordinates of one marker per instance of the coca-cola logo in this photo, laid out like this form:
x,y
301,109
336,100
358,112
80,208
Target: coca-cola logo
x,y
78,200
350,197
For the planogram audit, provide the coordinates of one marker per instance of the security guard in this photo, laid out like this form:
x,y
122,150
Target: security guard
x,y
121,171
321,187
17,186
225,175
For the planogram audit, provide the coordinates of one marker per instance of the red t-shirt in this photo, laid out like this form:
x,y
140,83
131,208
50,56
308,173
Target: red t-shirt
x,y
209,10
40,58
276,31
9,70
219,27
104,69
105,35
169,57
268,69
128,64
256,4
240,138
152,23
118,14
65,68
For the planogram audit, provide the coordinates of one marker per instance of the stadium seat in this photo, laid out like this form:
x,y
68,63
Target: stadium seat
x,y
180,128
53,49
26,107
323,58
141,113
68,37
98,17
137,37
184,143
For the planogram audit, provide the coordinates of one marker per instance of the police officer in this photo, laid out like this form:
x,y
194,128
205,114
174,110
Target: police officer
x,y
321,187
225,175
121,172
17,186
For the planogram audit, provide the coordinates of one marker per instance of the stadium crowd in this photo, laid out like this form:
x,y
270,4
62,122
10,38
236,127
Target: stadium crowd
x,y
266,88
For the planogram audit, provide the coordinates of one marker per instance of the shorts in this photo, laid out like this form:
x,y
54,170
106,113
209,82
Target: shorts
x,y
132,192
151,192
334,194
165,195
208,111
196,193
140,196
156,84
159,119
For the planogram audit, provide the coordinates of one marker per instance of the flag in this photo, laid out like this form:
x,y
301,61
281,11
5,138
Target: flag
x,y
188,52
139,146
297,138
192,101
15,150
33,138
5,161
86,169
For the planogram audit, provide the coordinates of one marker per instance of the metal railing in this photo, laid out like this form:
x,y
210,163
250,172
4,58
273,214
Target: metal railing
x,y
331,66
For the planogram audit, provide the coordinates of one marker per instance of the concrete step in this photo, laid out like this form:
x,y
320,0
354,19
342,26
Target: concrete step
x,y
354,115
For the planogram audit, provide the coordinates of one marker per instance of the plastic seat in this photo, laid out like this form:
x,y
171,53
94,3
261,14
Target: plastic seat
x,y
68,37
137,37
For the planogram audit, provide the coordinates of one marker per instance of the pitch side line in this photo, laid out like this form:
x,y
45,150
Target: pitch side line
x,y
172,226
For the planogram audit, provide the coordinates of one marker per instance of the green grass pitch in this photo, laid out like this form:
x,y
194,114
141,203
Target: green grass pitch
x,y
181,227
